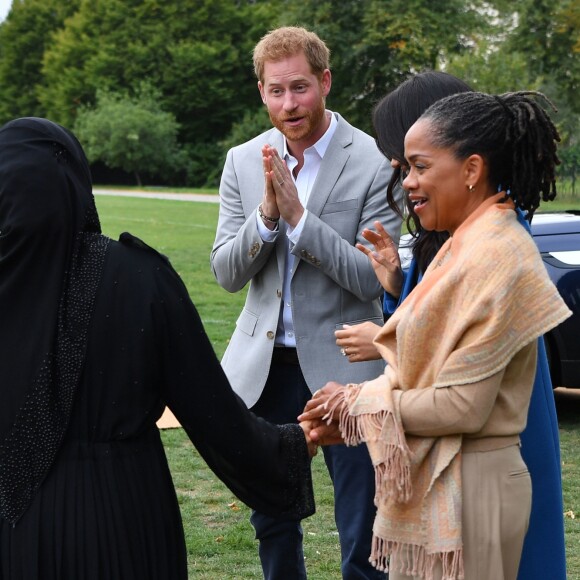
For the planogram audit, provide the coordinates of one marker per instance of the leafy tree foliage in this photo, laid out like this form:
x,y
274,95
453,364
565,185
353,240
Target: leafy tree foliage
x,y
538,51
25,36
376,44
568,124
548,34
55,56
493,71
570,158
131,133
197,52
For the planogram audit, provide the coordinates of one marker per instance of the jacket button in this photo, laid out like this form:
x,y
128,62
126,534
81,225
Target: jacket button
x,y
254,249
270,334
278,293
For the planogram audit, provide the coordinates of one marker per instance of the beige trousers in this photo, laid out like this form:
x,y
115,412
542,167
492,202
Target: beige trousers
x,y
497,496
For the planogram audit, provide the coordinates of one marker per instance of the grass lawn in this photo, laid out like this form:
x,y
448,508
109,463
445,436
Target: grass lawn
x,y
219,537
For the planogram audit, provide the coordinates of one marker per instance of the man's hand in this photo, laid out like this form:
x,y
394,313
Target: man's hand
x,y
269,204
287,200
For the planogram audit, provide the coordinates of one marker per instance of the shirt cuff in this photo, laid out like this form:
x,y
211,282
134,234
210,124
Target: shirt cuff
x,y
266,234
294,233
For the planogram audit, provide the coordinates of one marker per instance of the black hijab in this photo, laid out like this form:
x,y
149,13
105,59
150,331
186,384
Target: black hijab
x,y
51,259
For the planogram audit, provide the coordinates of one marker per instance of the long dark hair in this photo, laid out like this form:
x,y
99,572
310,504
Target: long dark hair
x,y
392,118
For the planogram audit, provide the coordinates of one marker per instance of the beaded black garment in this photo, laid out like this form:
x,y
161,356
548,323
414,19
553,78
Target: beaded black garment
x,y
51,261
27,453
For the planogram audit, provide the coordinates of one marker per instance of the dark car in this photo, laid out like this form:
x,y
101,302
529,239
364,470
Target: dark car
x,y
557,236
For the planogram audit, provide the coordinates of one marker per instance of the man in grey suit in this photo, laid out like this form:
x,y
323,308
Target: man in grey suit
x,y
293,203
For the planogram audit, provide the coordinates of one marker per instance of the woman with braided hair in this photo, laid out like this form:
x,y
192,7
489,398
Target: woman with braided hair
x,y
442,423
392,117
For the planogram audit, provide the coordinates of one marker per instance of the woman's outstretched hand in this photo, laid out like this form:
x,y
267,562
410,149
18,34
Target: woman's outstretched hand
x,y
384,259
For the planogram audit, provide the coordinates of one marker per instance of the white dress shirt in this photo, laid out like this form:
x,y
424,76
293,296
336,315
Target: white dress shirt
x,y
304,181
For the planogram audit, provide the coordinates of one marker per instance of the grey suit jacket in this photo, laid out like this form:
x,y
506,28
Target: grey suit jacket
x,y
332,284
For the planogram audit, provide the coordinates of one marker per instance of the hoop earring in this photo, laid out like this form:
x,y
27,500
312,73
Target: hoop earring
x,y
470,188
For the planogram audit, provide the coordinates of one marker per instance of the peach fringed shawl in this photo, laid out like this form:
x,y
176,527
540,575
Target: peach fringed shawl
x,y
462,324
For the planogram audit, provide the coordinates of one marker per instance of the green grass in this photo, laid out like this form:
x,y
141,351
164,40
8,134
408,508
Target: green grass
x,y
159,189
561,203
219,537
183,231
568,408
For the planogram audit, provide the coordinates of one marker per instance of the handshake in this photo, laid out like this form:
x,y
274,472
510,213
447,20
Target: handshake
x,y
319,420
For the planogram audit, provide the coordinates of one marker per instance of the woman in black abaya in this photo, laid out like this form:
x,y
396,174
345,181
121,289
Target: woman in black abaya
x,y
96,337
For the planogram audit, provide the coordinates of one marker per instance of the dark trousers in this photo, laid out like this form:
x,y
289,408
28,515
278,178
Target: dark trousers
x,y
281,554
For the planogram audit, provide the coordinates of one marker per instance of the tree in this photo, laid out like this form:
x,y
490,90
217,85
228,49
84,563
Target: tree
x,y
376,44
570,168
25,35
537,51
130,132
55,56
490,70
548,33
196,52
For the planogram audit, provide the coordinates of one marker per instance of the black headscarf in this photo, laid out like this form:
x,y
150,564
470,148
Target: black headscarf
x,y
51,260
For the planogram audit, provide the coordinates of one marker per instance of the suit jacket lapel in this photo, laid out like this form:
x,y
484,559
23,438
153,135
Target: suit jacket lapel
x,y
330,170
331,167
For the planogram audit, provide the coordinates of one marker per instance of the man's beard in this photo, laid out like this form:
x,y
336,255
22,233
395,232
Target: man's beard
x,y
310,122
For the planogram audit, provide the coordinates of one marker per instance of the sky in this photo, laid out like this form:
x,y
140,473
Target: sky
x,y
4,8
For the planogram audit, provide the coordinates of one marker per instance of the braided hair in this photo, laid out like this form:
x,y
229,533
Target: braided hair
x,y
512,132
393,116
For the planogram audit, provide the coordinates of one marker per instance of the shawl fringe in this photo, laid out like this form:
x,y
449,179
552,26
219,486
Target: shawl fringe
x,y
393,471
413,560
